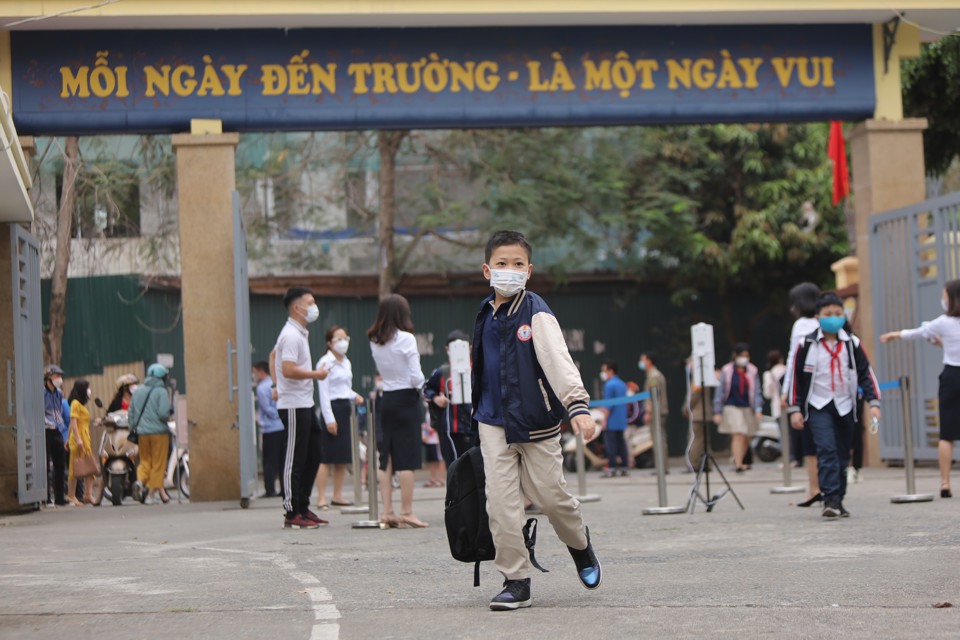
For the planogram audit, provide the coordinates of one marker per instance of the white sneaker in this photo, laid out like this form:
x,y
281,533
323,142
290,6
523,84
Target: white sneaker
x,y
857,478
150,500
851,475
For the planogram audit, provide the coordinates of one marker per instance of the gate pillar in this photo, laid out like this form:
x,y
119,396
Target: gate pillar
x,y
205,183
887,173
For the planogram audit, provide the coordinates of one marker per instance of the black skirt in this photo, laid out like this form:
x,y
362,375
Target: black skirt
x,y
950,403
401,430
337,449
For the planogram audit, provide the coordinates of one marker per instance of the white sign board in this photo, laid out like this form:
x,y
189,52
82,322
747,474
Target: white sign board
x,y
704,357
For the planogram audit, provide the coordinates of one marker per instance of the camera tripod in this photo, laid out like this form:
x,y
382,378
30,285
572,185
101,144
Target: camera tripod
x,y
706,462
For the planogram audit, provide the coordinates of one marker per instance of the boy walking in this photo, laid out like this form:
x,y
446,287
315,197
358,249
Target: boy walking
x,y
523,382
829,366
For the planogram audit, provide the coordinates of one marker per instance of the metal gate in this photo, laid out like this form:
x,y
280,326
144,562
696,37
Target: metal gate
x,y
913,252
248,433
31,437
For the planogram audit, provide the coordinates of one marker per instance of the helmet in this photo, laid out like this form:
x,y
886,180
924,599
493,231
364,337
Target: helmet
x,y
157,371
52,370
127,379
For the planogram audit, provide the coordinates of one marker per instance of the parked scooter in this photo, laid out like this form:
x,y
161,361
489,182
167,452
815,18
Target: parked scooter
x,y
766,443
119,458
178,465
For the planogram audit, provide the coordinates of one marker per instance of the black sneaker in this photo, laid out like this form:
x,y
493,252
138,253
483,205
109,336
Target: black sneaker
x,y
515,595
843,512
832,509
588,567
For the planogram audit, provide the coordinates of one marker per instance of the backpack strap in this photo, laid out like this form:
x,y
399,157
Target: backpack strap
x,y
530,541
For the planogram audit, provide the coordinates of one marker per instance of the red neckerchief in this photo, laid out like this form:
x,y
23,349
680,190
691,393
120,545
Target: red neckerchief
x,y
834,362
741,377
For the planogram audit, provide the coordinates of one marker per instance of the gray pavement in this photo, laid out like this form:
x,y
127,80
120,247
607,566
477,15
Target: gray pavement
x,y
215,571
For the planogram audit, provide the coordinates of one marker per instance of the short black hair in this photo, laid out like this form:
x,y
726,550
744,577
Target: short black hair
x,y
774,357
456,334
651,356
293,294
803,300
611,365
740,347
262,366
505,239
827,300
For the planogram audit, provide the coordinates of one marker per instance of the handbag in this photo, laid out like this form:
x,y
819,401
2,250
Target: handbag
x,y
85,466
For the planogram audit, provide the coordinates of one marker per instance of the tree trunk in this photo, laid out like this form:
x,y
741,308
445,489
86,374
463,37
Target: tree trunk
x,y
388,143
53,338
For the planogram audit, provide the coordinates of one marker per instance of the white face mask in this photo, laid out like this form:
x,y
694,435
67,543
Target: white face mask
x,y
133,388
604,376
743,362
58,382
943,303
313,312
508,282
89,393
340,346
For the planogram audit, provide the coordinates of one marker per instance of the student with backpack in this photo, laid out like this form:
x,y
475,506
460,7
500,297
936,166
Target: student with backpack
x,y
524,380
452,422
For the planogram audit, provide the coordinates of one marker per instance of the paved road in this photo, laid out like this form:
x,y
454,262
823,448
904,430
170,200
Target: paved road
x,y
215,571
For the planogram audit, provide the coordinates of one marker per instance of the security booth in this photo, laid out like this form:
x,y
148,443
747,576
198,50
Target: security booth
x,y
135,68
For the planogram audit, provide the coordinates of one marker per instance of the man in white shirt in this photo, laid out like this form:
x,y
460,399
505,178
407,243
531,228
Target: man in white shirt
x,y
291,364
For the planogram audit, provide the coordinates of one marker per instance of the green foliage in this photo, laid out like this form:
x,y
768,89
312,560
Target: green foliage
x,y
931,89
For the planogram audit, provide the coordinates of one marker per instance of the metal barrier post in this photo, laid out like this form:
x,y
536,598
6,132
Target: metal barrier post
x,y
911,495
356,468
372,466
659,461
583,496
785,455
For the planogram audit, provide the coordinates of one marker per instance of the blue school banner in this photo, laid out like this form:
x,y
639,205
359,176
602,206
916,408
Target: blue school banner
x,y
87,82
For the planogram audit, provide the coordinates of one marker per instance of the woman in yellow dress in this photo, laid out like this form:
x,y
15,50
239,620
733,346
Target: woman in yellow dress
x,y
79,441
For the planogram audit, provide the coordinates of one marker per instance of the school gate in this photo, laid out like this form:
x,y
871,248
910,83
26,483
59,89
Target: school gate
x,y
137,67
916,251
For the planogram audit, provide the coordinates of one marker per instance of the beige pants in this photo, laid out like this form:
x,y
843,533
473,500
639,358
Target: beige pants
x,y
534,469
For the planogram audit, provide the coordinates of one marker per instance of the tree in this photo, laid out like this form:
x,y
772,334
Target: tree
x,y
388,144
931,89
53,336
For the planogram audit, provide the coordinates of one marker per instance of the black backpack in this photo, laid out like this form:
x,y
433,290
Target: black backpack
x,y
465,515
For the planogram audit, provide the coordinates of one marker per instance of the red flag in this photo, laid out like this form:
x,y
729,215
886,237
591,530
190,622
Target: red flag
x,y
837,151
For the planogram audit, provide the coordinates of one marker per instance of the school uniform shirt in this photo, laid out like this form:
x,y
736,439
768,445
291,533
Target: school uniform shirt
x,y
945,327
292,346
827,384
398,362
338,385
267,414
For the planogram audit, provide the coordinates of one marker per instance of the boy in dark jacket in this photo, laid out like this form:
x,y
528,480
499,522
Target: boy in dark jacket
x,y
453,422
523,382
829,366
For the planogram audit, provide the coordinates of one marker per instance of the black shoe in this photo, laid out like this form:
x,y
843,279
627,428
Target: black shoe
x,y
832,509
843,512
944,493
588,567
515,595
812,501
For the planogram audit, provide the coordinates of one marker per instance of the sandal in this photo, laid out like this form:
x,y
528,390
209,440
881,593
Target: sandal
x,y
413,521
391,520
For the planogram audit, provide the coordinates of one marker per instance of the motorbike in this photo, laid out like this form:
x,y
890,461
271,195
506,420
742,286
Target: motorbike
x,y
177,475
639,446
766,443
119,458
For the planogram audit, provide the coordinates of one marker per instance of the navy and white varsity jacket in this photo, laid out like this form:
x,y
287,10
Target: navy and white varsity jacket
x,y
538,379
858,373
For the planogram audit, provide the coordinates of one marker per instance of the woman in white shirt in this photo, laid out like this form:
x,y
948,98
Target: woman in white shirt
x,y
803,305
337,398
395,353
944,330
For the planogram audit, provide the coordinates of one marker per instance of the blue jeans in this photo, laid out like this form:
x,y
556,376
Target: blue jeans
x,y
615,444
832,433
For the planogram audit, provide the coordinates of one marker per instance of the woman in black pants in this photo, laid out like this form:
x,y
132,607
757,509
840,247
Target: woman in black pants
x,y
395,353
945,331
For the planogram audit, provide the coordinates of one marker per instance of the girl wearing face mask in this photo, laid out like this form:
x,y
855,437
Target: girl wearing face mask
x,y
126,385
944,330
738,404
337,398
